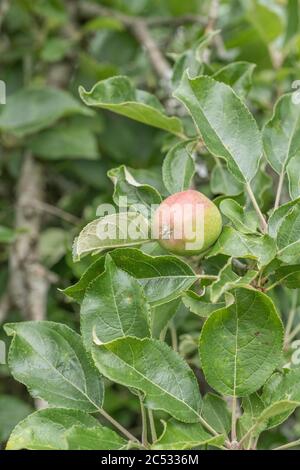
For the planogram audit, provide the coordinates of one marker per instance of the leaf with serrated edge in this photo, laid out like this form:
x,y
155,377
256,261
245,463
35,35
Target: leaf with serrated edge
x,y
223,182
278,215
117,94
194,303
241,345
178,168
238,75
227,279
244,221
215,411
112,231
163,278
93,438
281,135
282,386
49,358
152,367
288,236
45,429
180,436
240,245
226,125
293,172
288,276
114,306
138,196
46,106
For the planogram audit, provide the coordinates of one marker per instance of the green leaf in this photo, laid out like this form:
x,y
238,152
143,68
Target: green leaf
x,y
266,21
214,107
289,276
252,406
239,245
163,278
112,231
12,411
215,411
178,168
32,109
180,436
192,59
151,176
288,236
45,429
114,305
223,182
139,197
50,360
277,409
52,245
163,313
80,437
282,387
118,95
55,49
278,216
103,22
77,291
293,19
69,140
281,135
262,186
156,370
244,221
240,345
238,75
227,279
293,172
198,306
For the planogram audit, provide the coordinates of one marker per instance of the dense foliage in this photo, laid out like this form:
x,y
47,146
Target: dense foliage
x,y
119,343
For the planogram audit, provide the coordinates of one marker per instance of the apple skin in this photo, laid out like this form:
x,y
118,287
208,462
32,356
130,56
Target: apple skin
x,y
170,218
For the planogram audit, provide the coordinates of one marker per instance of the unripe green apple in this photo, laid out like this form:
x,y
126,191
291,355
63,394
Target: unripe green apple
x,y
187,223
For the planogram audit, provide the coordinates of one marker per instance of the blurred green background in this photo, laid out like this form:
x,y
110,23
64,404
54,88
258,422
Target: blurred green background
x,y
54,153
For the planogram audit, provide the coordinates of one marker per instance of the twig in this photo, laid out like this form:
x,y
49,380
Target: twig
x,y
56,211
212,15
264,224
159,63
152,425
272,285
118,426
144,422
4,7
288,445
248,433
279,189
139,26
163,333
89,10
211,277
233,419
174,21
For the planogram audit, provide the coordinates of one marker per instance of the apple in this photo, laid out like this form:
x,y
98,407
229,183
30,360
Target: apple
x,y
187,223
